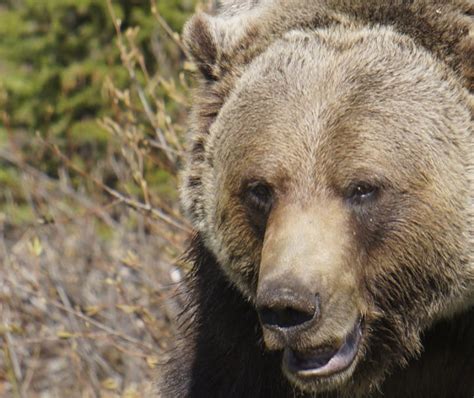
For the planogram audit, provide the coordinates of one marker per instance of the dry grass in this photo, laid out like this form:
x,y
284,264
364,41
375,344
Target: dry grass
x,y
88,289
83,315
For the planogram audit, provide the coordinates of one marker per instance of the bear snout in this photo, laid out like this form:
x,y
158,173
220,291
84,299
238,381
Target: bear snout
x,y
287,308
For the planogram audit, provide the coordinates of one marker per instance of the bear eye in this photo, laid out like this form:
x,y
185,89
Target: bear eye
x,y
259,197
361,192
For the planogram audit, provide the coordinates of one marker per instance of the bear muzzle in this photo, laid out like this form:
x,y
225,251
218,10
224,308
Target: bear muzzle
x,y
290,319
307,299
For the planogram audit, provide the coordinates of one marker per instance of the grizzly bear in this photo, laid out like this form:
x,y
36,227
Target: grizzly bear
x,y
329,181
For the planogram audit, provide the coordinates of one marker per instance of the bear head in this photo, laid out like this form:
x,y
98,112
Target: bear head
x,y
328,173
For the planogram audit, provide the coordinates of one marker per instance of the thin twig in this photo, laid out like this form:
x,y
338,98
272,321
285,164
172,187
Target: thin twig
x,y
30,370
158,214
14,369
173,35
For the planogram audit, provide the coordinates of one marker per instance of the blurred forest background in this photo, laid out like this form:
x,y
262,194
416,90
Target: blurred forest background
x,y
93,102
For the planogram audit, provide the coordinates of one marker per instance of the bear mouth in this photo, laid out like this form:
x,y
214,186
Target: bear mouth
x,y
324,361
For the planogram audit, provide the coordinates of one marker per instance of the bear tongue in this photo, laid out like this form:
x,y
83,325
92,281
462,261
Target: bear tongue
x,y
324,361
311,359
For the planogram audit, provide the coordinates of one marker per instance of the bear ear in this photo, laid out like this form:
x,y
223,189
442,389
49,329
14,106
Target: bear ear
x,y
217,43
201,42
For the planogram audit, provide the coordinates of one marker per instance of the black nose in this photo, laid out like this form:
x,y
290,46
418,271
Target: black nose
x,y
284,307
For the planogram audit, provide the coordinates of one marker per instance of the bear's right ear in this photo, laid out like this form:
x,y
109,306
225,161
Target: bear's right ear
x,y
200,39
219,43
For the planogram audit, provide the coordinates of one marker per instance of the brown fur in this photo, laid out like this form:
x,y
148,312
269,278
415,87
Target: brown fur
x,y
311,97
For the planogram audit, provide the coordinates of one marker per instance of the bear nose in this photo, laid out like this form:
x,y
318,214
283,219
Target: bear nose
x,y
286,308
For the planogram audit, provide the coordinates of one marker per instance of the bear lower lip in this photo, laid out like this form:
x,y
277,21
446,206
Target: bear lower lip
x,y
324,361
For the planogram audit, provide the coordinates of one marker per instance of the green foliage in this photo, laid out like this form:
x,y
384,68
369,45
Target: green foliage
x,y
10,183
159,182
55,55
175,12
55,58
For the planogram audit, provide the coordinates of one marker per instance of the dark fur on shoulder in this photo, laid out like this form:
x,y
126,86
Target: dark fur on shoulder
x,y
439,373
